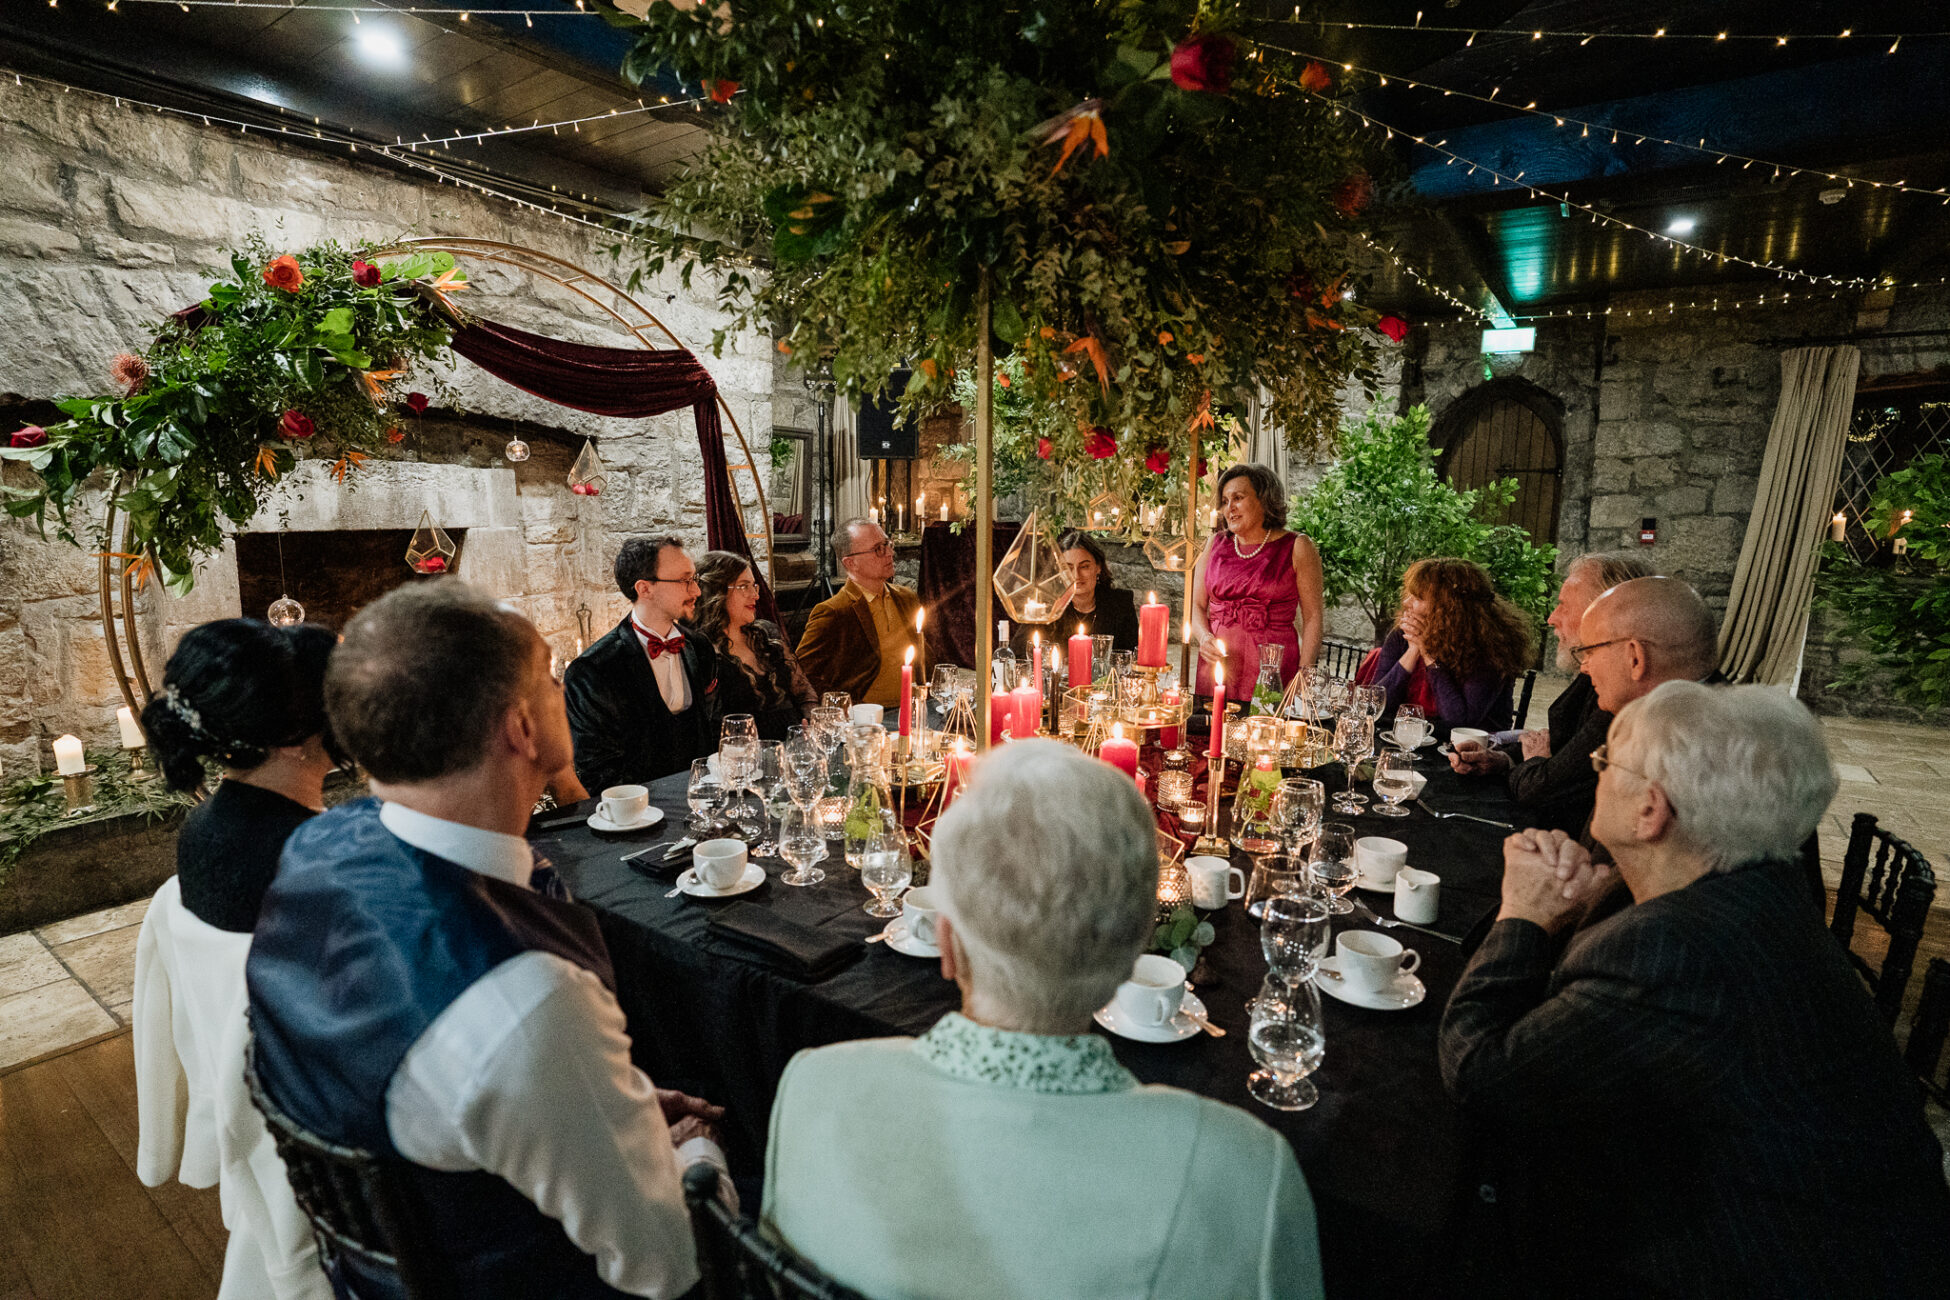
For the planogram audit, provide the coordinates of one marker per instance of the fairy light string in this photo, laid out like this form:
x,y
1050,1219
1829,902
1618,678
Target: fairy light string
x,y
1776,39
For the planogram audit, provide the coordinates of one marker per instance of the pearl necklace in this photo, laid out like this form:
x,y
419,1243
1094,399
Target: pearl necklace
x,y
1256,550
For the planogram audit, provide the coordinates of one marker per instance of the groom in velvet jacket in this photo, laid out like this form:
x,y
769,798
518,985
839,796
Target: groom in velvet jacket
x,y
643,699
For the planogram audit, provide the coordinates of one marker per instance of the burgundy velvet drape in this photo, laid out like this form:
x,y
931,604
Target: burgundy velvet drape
x,y
948,588
631,383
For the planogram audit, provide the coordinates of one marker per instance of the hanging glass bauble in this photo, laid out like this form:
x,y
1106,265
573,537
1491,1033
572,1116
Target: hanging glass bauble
x,y
1107,512
516,451
1029,582
586,475
284,612
431,550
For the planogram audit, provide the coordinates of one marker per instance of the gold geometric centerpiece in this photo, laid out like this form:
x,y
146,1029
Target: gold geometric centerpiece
x,y
1029,581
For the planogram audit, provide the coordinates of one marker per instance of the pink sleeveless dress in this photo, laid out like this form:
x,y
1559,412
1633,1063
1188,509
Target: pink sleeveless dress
x,y
1251,600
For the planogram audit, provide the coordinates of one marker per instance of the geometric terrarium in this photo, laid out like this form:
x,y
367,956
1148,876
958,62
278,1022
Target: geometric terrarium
x,y
586,475
1167,553
1107,512
1029,581
431,550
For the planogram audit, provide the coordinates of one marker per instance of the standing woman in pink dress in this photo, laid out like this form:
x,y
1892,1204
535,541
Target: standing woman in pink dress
x,y
1255,584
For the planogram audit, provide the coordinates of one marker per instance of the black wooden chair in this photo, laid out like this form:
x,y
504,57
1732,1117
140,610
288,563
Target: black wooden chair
x,y
359,1203
1526,686
1894,889
1340,658
735,1261
1928,1031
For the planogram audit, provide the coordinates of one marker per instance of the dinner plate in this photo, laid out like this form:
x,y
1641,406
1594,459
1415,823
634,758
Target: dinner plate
x,y
1407,991
651,816
901,941
1174,1030
691,884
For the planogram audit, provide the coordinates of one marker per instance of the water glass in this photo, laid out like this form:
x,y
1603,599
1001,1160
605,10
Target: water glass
x,y
707,795
1275,875
886,868
1412,727
1331,866
801,844
1293,935
840,700
1394,781
1297,809
768,779
1353,735
805,769
1289,1041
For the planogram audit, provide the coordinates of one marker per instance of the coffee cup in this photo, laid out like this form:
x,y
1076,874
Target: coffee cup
x,y
868,715
1213,882
1410,732
1371,962
1378,859
919,909
624,805
1152,994
1418,896
720,863
1460,736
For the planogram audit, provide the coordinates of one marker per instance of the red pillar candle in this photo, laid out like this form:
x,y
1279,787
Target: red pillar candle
x,y
907,691
954,774
1080,658
1151,633
1029,711
1119,752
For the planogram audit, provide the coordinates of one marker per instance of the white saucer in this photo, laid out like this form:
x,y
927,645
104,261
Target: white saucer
x,y
690,883
1389,736
902,942
1177,1029
1407,991
651,816
1374,886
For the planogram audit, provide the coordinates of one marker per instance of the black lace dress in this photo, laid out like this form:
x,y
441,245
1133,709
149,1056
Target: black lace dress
x,y
778,697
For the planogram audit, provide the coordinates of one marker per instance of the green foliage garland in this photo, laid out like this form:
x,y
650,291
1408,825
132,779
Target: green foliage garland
x,y
33,806
1161,214
207,425
1383,506
1901,615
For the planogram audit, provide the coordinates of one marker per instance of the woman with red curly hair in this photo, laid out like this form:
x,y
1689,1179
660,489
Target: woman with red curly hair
x,y
1456,647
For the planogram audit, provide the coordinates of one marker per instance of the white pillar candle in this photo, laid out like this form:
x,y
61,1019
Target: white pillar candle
x,y
132,737
67,756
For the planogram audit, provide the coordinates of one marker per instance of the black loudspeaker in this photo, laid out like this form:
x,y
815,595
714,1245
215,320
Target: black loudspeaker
x,y
881,438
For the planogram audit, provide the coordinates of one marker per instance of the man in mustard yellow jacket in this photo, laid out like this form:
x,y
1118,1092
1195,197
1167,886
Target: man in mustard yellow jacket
x,y
857,640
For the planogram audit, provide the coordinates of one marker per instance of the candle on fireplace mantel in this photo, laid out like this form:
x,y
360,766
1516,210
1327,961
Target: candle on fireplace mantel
x,y
68,760
132,737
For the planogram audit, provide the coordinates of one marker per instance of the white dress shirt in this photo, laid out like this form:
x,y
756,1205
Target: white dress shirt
x,y
672,684
527,1076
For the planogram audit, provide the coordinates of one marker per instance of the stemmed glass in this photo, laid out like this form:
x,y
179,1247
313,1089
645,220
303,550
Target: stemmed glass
x,y
1394,781
1297,808
837,700
1293,935
802,843
706,794
769,781
1353,734
885,866
1288,1039
1330,865
946,679
1408,737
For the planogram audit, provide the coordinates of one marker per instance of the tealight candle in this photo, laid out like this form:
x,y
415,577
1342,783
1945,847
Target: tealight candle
x,y
132,737
68,760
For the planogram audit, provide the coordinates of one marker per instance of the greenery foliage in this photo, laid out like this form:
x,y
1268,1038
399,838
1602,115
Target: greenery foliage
x,y
1383,506
288,348
1900,615
34,805
1160,211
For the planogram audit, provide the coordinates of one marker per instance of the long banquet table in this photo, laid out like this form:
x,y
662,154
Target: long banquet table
x,y
1383,1151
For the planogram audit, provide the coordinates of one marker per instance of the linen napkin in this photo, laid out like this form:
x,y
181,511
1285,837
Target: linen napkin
x,y
778,943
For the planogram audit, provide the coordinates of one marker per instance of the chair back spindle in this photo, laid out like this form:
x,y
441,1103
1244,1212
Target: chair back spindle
x,y
736,1261
1888,881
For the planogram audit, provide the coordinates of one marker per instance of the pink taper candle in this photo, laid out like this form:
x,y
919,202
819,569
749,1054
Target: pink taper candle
x,y
1218,748
1151,633
907,691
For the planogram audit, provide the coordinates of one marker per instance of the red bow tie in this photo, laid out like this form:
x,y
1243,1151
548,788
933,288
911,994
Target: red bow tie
x,y
655,645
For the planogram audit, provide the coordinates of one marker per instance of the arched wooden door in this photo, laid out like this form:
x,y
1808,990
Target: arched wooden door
x,y
1506,438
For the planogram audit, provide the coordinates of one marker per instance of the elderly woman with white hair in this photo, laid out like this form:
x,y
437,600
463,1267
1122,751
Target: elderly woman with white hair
x,y
1697,1098
1005,1153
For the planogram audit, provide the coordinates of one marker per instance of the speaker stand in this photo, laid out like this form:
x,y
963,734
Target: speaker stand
x,y
820,385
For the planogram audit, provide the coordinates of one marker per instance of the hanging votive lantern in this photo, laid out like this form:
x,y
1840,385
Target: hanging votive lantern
x,y
1029,581
586,475
284,612
1107,512
431,550
516,451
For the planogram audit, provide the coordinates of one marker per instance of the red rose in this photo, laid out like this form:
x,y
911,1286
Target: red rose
x,y
416,403
1393,326
296,424
1300,285
32,436
1353,194
283,273
1101,443
1316,78
434,564
1045,448
365,275
721,91
1203,64
585,489
1159,461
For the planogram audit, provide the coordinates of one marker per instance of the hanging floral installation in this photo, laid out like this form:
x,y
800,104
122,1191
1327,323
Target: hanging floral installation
x,y
1161,213
293,349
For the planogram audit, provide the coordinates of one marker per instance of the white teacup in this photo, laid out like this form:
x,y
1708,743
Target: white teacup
x,y
1215,882
624,804
868,715
1418,896
1378,859
1410,732
720,863
919,910
1152,994
1372,962
1460,736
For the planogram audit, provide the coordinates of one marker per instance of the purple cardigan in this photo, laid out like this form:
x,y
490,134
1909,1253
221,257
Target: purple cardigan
x,y
1477,701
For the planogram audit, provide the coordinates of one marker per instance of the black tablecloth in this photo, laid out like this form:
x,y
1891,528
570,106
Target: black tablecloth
x,y
1382,1150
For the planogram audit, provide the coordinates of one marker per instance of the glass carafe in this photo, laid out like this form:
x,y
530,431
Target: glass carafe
x,y
1270,688
1252,807
867,790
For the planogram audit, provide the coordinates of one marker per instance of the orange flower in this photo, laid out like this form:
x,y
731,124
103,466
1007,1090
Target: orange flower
x,y
267,462
346,464
1316,78
785,349
1196,358
1077,127
1090,347
1164,338
395,434
721,91
1002,380
283,273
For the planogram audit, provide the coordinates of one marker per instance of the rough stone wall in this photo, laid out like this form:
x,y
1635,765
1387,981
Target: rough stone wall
x,y
111,218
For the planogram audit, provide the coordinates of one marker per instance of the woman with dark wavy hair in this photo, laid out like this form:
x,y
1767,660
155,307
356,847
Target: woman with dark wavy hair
x,y
765,680
250,699
1456,647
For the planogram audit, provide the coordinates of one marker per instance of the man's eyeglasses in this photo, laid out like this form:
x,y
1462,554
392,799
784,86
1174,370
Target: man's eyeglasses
x,y
883,550
1583,652
1601,759
689,580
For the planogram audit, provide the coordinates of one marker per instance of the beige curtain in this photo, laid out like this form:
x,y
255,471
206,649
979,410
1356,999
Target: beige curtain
x,y
849,471
1767,610
1266,442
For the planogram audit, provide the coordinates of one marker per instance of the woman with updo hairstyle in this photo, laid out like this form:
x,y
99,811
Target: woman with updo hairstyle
x,y
1456,648
249,698
764,679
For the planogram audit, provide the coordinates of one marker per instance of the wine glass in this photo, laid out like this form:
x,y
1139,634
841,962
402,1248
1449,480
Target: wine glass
x,y
1293,935
1330,865
769,782
1369,700
1353,734
1394,781
706,794
1289,1041
736,728
885,866
1411,728
801,843
837,700
829,723
1297,808
946,680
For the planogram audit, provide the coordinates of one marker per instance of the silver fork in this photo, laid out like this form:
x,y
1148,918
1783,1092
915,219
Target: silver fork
x,y
1468,817
1389,923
